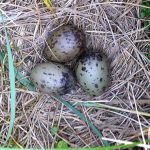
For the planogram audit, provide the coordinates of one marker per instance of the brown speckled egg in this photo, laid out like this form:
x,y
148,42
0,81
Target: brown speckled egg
x,y
52,78
64,44
92,73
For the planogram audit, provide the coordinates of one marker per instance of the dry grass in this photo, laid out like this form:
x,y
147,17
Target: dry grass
x,y
110,27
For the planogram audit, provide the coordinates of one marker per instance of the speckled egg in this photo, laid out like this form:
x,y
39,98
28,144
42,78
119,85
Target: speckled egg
x,y
92,73
64,44
52,78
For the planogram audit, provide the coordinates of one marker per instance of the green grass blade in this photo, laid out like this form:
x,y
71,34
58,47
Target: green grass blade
x,y
79,114
12,86
100,105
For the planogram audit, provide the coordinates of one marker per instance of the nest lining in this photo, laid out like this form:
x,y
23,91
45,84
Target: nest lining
x,y
110,27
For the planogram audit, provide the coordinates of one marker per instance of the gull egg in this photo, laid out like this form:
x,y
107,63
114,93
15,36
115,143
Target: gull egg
x,y
52,78
64,44
92,73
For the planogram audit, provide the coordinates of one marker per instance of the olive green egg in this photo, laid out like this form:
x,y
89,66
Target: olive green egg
x,y
52,78
64,44
92,73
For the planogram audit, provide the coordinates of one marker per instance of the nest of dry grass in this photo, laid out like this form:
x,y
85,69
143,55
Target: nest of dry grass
x,y
110,27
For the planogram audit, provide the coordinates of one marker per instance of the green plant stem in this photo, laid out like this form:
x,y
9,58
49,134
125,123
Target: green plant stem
x,y
12,86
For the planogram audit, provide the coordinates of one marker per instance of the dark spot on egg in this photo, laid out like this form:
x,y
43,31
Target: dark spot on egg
x,y
96,85
64,52
65,82
65,33
102,68
65,75
43,81
101,79
36,83
84,83
42,86
96,64
49,74
69,40
76,36
55,80
62,81
89,63
90,75
44,73
81,74
83,68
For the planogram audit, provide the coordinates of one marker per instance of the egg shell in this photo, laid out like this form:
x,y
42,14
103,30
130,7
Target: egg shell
x,y
52,78
64,44
92,73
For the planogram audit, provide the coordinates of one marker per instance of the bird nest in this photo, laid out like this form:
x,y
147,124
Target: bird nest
x,y
110,27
